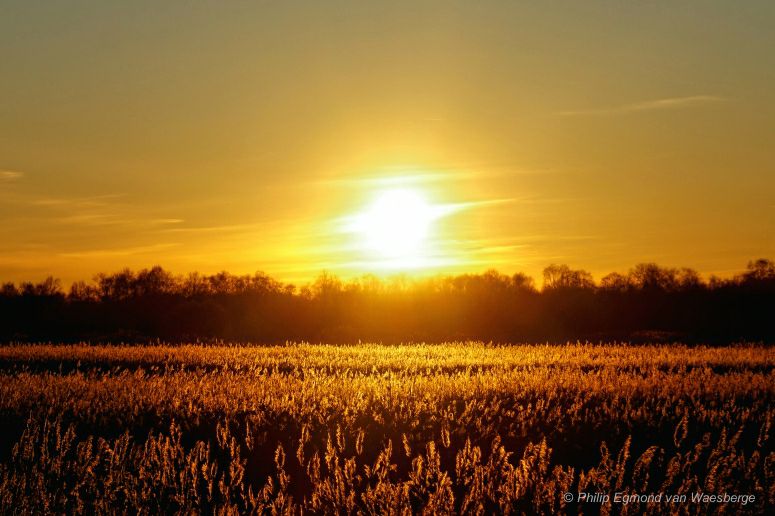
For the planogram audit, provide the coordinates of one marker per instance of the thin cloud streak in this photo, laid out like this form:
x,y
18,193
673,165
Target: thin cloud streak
x,y
82,202
449,208
283,226
398,176
10,175
650,105
116,252
97,210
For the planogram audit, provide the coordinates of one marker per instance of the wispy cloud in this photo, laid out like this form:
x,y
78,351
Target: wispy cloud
x,y
398,177
117,252
648,105
467,205
10,175
79,202
97,210
402,176
226,228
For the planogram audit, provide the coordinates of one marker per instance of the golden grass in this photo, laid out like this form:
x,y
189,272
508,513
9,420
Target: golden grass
x,y
454,428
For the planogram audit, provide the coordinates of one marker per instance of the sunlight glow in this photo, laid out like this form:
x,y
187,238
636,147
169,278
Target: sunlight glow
x,y
395,230
397,223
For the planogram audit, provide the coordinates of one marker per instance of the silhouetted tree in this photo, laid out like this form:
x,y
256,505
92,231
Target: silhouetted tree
x,y
650,302
615,282
760,270
650,276
563,277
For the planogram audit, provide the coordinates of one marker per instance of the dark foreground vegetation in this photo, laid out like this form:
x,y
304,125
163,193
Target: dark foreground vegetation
x,y
455,428
650,303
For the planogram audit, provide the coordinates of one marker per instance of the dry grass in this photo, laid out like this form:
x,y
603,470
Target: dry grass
x,y
455,428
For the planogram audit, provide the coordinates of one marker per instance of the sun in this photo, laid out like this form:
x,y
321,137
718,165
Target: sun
x,y
397,224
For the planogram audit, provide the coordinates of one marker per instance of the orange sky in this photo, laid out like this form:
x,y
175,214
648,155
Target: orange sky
x,y
244,135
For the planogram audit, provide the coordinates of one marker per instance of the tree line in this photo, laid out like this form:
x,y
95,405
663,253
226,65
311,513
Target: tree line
x,y
648,303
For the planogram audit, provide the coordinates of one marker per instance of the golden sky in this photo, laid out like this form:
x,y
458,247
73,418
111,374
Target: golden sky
x,y
249,135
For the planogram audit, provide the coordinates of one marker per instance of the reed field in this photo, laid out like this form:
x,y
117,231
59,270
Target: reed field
x,y
458,428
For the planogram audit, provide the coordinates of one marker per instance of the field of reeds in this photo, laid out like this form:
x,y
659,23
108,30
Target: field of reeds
x,y
463,428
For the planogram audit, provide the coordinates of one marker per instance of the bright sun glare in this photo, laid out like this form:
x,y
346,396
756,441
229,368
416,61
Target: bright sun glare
x,y
396,225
